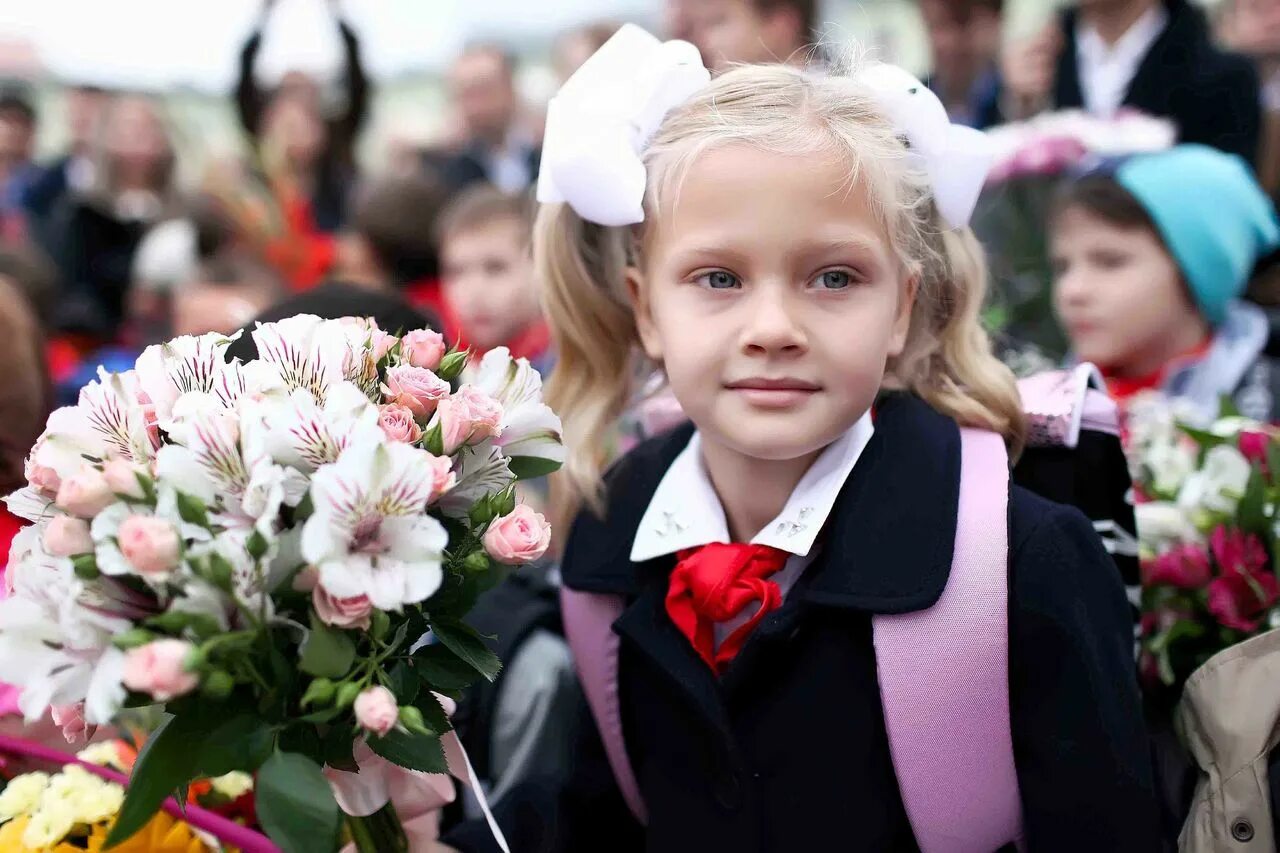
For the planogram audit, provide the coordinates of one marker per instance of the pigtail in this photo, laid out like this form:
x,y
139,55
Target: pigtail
x,y
948,360
581,270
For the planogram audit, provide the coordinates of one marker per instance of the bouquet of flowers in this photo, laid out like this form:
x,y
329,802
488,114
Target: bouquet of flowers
x,y
1031,159
281,552
1208,538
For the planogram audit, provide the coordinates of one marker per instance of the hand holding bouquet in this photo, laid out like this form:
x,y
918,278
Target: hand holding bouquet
x,y
281,552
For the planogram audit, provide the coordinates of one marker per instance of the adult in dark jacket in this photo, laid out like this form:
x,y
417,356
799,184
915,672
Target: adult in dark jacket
x,y
1159,58
788,750
498,149
336,167
964,43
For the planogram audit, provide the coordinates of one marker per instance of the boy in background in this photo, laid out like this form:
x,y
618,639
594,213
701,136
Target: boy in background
x,y
487,275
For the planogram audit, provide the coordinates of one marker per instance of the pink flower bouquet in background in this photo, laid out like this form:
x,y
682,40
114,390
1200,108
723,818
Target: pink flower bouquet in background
x,y
259,549
1032,157
1207,537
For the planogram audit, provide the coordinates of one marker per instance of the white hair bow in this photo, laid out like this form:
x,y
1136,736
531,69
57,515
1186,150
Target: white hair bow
x,y
956,158
604,115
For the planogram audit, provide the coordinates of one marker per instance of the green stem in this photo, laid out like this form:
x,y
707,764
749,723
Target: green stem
x,y
380,832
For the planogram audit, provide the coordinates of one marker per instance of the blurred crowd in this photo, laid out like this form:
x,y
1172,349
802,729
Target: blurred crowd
x,y
104,251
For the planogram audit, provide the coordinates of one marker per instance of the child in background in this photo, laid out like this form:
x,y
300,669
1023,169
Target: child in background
x,y
1151,258
793,250
487,273
392,246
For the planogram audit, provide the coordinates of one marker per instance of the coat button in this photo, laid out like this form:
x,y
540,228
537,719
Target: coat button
x,y
1242,830
727,789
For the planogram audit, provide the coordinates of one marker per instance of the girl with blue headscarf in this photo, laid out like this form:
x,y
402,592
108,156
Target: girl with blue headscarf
x,y
1150,261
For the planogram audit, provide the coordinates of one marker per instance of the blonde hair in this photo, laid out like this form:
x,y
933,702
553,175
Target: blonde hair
x,y
947,359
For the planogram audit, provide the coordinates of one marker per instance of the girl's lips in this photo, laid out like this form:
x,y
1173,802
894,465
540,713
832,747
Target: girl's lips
x,y
774,393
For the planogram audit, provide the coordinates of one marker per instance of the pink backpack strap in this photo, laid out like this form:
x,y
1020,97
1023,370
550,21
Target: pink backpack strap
x,y
1061,403
588,625
944,677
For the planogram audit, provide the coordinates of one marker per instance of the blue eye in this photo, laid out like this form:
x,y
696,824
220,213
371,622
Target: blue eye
x,y
719,280
834,280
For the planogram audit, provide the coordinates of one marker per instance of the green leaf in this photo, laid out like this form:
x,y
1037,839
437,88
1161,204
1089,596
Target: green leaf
x,y
217,685
1227,407
256,545
304,740
464,642
1252,511
1205,439
165,762
241,743
411,750
440,669
531,467
321,716
451,365
404,683
132,638
433,713
326,652
192,510
339,749
295,804
347,693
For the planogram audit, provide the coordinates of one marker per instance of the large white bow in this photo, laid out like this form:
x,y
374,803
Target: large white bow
x,y
956,158
601,119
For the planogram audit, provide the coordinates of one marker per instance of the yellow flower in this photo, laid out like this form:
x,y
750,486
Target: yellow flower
x,y
233,785
48,825
22,795
162,834
105,754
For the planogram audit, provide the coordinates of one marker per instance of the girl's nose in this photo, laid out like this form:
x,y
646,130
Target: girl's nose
x,y
772,324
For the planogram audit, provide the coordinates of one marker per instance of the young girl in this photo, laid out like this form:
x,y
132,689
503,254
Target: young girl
x,y
1150,260
812,295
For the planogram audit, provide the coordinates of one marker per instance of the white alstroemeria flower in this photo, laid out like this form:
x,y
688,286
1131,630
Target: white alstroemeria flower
x,y
1230,427
111,420
482,470
1169,463
305,434
186,364
1220,483
54,643
306,351
531,432
369,534
1162,524
220,457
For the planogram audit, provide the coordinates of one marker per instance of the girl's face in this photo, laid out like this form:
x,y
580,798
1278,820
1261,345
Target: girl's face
x,y
1120,296
773,298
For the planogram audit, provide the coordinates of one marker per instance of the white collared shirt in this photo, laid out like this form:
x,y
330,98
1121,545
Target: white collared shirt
x,y
686,513
1107,70
508,166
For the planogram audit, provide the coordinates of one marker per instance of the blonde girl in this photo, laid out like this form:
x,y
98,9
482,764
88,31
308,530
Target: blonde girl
x,y
792,250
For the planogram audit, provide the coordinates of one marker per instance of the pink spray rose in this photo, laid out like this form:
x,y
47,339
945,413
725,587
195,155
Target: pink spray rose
x,y
416,388
150,544
468,417
351,612
381,342
158,669
521,537
398,424
442,477
422,348
1240,600
376,710
1237,551
306,579
122,478
1184,567
42,478
66,536
85,493
70,718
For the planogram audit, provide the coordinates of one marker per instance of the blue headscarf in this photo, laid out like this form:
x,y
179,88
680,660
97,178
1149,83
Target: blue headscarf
x,y
1213,217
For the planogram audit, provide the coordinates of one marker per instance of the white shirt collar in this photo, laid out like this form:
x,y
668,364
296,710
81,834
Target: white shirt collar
x,y
1107,70
685,511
